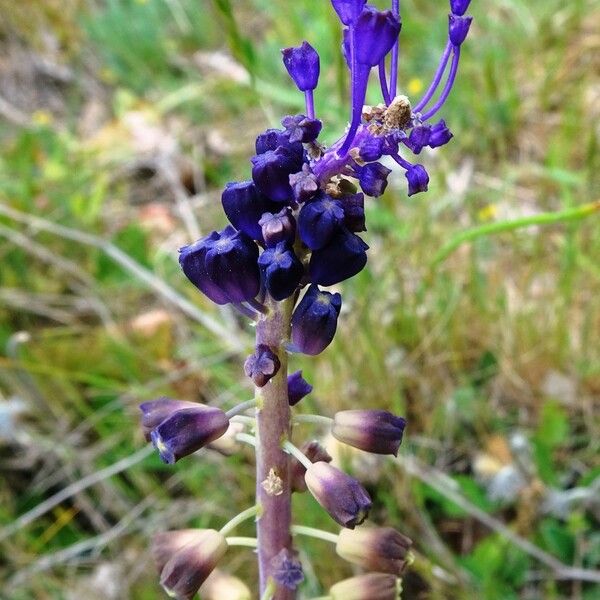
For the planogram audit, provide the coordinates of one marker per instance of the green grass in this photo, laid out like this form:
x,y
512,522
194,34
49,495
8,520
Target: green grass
x,y
477,317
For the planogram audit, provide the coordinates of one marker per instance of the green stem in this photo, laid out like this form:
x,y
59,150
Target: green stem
x,y
547,218
246,514
297,453
315,533
240,408
269,590
246,438
317,419
249,542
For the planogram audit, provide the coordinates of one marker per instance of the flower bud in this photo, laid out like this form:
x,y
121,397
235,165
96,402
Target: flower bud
x,y
354,212
298,387
372,586
302,129
166,543
375,32
244,206
373,179
348,10
458,28
381,549
418,179
231,264
315,453
190,566
343,257
262,365
223,586
271,173
303,65
279,227
319,220
281,270
344,498
155,412
459,7
304,184
440,135
314,321
419,138
188,430
376,431
370,147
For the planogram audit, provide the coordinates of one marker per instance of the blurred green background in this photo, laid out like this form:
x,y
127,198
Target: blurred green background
x,y
477,318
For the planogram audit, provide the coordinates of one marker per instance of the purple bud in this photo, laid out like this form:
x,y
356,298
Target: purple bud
x,y
155,412
458,28
190,566
376,32
188,430
354,212
231,264
314,321
298,387
343,257
372,586
287,569
271,173
315,453
281,270
418,179
459,7
340,495
319,220
244,205
376,431
279,227
373,178
419,138
380,549
302,129
304,184
262,365
440,134
370,148
302,63
348,10
271,139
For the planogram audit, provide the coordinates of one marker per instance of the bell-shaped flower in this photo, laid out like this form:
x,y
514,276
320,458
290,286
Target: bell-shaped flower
x,y
372,586
281,270
298,387
271,173
373,179
419,138
376,32
458,29
344,498
304,184
376,431
303,65
187,430
314,321
302,129
343,257
319,220
348,10
418,179
315,453
278,227
154,412
439,135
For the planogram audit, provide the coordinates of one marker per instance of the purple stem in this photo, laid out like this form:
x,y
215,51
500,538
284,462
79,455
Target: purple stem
x,y
395,52
402,162
383,82
310,104
447,88
273,425
360,79
436,79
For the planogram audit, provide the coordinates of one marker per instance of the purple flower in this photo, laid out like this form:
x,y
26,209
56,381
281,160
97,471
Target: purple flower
x,y
302,129
376,32
376,431
281,270
372,586
188,430
440,134
302,63
271,139
244,204
354,212
166,543
304,184
190,566
287,569
381,549
298,387
314,321
279,227
373,178
343,257
459,7
348,10
458,28
315,453
262,366
370,147
418,179
271,173
344,498
155,412
319,220
419,138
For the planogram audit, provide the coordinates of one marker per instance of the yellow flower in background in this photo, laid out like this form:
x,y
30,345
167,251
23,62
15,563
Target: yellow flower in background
x,y
488,213
415,85
42,118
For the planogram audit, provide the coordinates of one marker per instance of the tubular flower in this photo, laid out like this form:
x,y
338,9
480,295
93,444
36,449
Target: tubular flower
x,y
155,412
372,586
315,453
303,65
